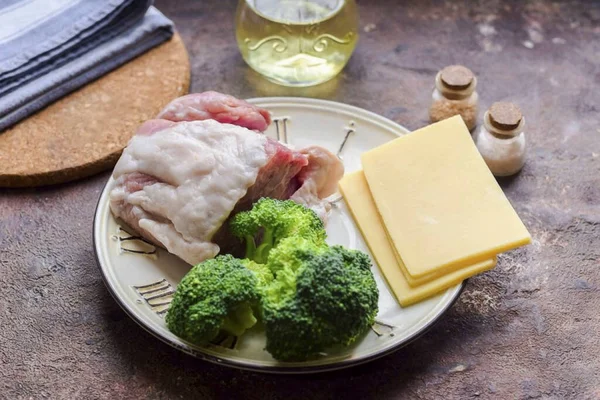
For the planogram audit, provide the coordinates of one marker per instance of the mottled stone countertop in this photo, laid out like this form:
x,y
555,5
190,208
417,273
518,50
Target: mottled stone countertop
x,y
528,329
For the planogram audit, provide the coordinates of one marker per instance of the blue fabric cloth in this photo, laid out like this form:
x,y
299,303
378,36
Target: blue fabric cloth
x,y
48,48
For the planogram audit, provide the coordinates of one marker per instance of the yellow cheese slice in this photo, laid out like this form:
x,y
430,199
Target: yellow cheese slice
x,y
479,266
439,202
484,265
414,282
356,193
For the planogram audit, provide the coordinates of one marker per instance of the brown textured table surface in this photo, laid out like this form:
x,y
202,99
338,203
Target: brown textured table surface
x,y
528,329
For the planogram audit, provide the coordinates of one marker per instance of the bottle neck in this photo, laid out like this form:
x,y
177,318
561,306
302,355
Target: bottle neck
x,y
499,133
454,94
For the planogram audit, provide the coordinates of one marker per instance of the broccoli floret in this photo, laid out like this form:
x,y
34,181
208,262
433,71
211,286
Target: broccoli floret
x,y
271,221
311,297
261,271
321,297
217,295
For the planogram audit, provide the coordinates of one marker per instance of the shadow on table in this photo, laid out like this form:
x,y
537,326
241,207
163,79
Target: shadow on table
x,y
507,181
60,189
171,372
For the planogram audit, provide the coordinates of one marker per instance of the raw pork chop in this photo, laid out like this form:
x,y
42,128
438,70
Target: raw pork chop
x,y
178,182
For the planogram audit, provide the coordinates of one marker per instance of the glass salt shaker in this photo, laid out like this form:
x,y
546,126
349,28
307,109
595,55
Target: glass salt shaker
x,y
501,140
455,93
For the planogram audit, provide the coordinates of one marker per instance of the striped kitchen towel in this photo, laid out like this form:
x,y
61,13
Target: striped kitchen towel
x,y
48,48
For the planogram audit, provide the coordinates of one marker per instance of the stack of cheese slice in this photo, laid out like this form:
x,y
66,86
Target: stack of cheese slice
x,y
430,210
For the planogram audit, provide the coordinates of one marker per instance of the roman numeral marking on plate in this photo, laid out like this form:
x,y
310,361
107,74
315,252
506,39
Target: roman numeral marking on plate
x,y
349,130
381,328
281,128
336,200
227,341
129,243
158,295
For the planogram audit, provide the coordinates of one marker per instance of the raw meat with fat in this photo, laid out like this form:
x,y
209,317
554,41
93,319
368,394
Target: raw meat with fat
x,y
220,107
318,179
178,181
178,185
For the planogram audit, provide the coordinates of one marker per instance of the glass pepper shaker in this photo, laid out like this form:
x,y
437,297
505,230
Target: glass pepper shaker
x,y
455,93
501,139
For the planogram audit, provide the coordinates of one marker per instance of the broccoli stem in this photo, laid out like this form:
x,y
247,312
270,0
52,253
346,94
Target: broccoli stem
x,y
238,320
262,251
250,247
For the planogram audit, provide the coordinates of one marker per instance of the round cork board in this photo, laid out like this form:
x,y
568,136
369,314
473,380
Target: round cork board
x,y
85,132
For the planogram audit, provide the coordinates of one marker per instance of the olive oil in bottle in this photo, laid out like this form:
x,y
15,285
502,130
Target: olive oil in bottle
x,y
297,42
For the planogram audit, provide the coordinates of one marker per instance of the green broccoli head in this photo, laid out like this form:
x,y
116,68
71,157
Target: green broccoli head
x,y
321,297
271,221
217,295
310,296
262,272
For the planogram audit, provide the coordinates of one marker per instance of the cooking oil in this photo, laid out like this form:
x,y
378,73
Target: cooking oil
x,y
297,42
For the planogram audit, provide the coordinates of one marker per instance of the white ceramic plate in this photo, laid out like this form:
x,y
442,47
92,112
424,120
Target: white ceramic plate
x,y
143,283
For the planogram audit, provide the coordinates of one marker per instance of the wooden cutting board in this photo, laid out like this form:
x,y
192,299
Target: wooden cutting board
x,y
85,132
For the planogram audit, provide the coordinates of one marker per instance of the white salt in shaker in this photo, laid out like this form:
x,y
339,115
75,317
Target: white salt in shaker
x,y
501,140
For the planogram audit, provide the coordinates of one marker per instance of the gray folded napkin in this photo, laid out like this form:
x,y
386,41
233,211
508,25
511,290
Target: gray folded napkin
x,y
48,48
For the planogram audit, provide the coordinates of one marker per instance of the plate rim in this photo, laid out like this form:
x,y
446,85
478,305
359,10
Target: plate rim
x,y
342,364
